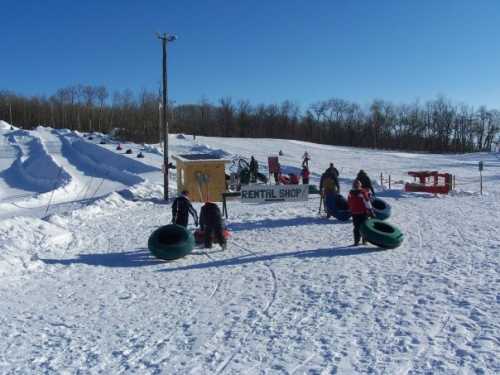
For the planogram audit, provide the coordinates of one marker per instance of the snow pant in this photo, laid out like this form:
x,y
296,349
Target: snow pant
x,y
214,233
357,220
330,202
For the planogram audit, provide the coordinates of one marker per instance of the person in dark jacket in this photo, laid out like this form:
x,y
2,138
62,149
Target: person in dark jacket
x,y
329,182
212,224
361,208
254,169
181,208
332,170
366,183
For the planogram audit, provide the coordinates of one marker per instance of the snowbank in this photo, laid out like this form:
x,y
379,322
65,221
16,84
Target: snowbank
x,y
34,169
23,240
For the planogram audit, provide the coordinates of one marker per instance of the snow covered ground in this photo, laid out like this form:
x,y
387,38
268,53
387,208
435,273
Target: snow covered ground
x,y
81,293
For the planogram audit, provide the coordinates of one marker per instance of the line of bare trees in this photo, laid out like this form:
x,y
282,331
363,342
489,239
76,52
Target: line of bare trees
x,y
436,126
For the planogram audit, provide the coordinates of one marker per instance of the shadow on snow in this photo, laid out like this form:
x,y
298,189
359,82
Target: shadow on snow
x,y
250,258
278,223
136,258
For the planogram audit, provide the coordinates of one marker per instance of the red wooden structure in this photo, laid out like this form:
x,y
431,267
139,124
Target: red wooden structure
x,y
430,182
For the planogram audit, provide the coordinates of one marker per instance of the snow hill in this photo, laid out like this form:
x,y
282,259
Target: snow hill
x,y
80,291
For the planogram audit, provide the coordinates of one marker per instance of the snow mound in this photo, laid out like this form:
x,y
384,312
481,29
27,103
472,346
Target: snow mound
x,y
89,158
205,149
153,149
34,169
23,240
4,125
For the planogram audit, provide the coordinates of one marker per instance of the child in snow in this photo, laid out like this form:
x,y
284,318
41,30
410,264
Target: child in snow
x,y
212,224
181,208
361,208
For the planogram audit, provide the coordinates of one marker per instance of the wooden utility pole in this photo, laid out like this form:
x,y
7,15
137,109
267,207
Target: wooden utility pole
x,y
481,167
10,112
165,38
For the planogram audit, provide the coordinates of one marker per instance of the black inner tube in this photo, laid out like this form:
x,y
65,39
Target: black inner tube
x,y
383,227
378,204
342,203
171,236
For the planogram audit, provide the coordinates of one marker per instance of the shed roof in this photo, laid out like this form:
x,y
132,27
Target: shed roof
x,y
192,158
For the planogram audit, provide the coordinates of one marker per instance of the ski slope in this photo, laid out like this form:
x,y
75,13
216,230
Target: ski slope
x,y
80,291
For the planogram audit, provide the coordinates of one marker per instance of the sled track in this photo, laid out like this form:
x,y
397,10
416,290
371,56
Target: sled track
x,y
264,313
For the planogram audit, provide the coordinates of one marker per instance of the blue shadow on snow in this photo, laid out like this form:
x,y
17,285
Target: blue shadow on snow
x,y
278,223
136,258
250,258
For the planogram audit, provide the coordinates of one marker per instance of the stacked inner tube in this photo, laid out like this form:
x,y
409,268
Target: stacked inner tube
x,y
381,233
199,235
381,209
171,242
337,206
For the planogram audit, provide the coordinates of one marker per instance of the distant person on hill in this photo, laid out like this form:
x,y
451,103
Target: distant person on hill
x,y
305,159
305,175
361,208
366,183
254,169
181,208
212,224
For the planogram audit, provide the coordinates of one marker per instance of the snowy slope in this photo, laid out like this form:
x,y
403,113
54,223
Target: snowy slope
x,y
80,290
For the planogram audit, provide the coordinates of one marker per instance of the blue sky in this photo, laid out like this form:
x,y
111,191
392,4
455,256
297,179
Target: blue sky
x,y
263,51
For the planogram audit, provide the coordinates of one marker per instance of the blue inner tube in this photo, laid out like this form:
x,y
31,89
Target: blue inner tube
x,y
171,242
381,209
338,207
381,233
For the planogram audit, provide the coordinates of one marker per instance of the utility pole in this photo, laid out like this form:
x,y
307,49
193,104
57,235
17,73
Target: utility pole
x,y
10,112
160,123
165,38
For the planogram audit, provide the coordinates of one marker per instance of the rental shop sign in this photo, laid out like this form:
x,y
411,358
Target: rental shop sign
x,y
274,193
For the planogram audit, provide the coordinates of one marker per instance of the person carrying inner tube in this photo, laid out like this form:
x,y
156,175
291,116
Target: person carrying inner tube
x,y
181,208
332,170
254,169
361,208
366,183
329,189
212,224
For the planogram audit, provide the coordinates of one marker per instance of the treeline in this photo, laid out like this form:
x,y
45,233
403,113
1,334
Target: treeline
x,y
435,126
